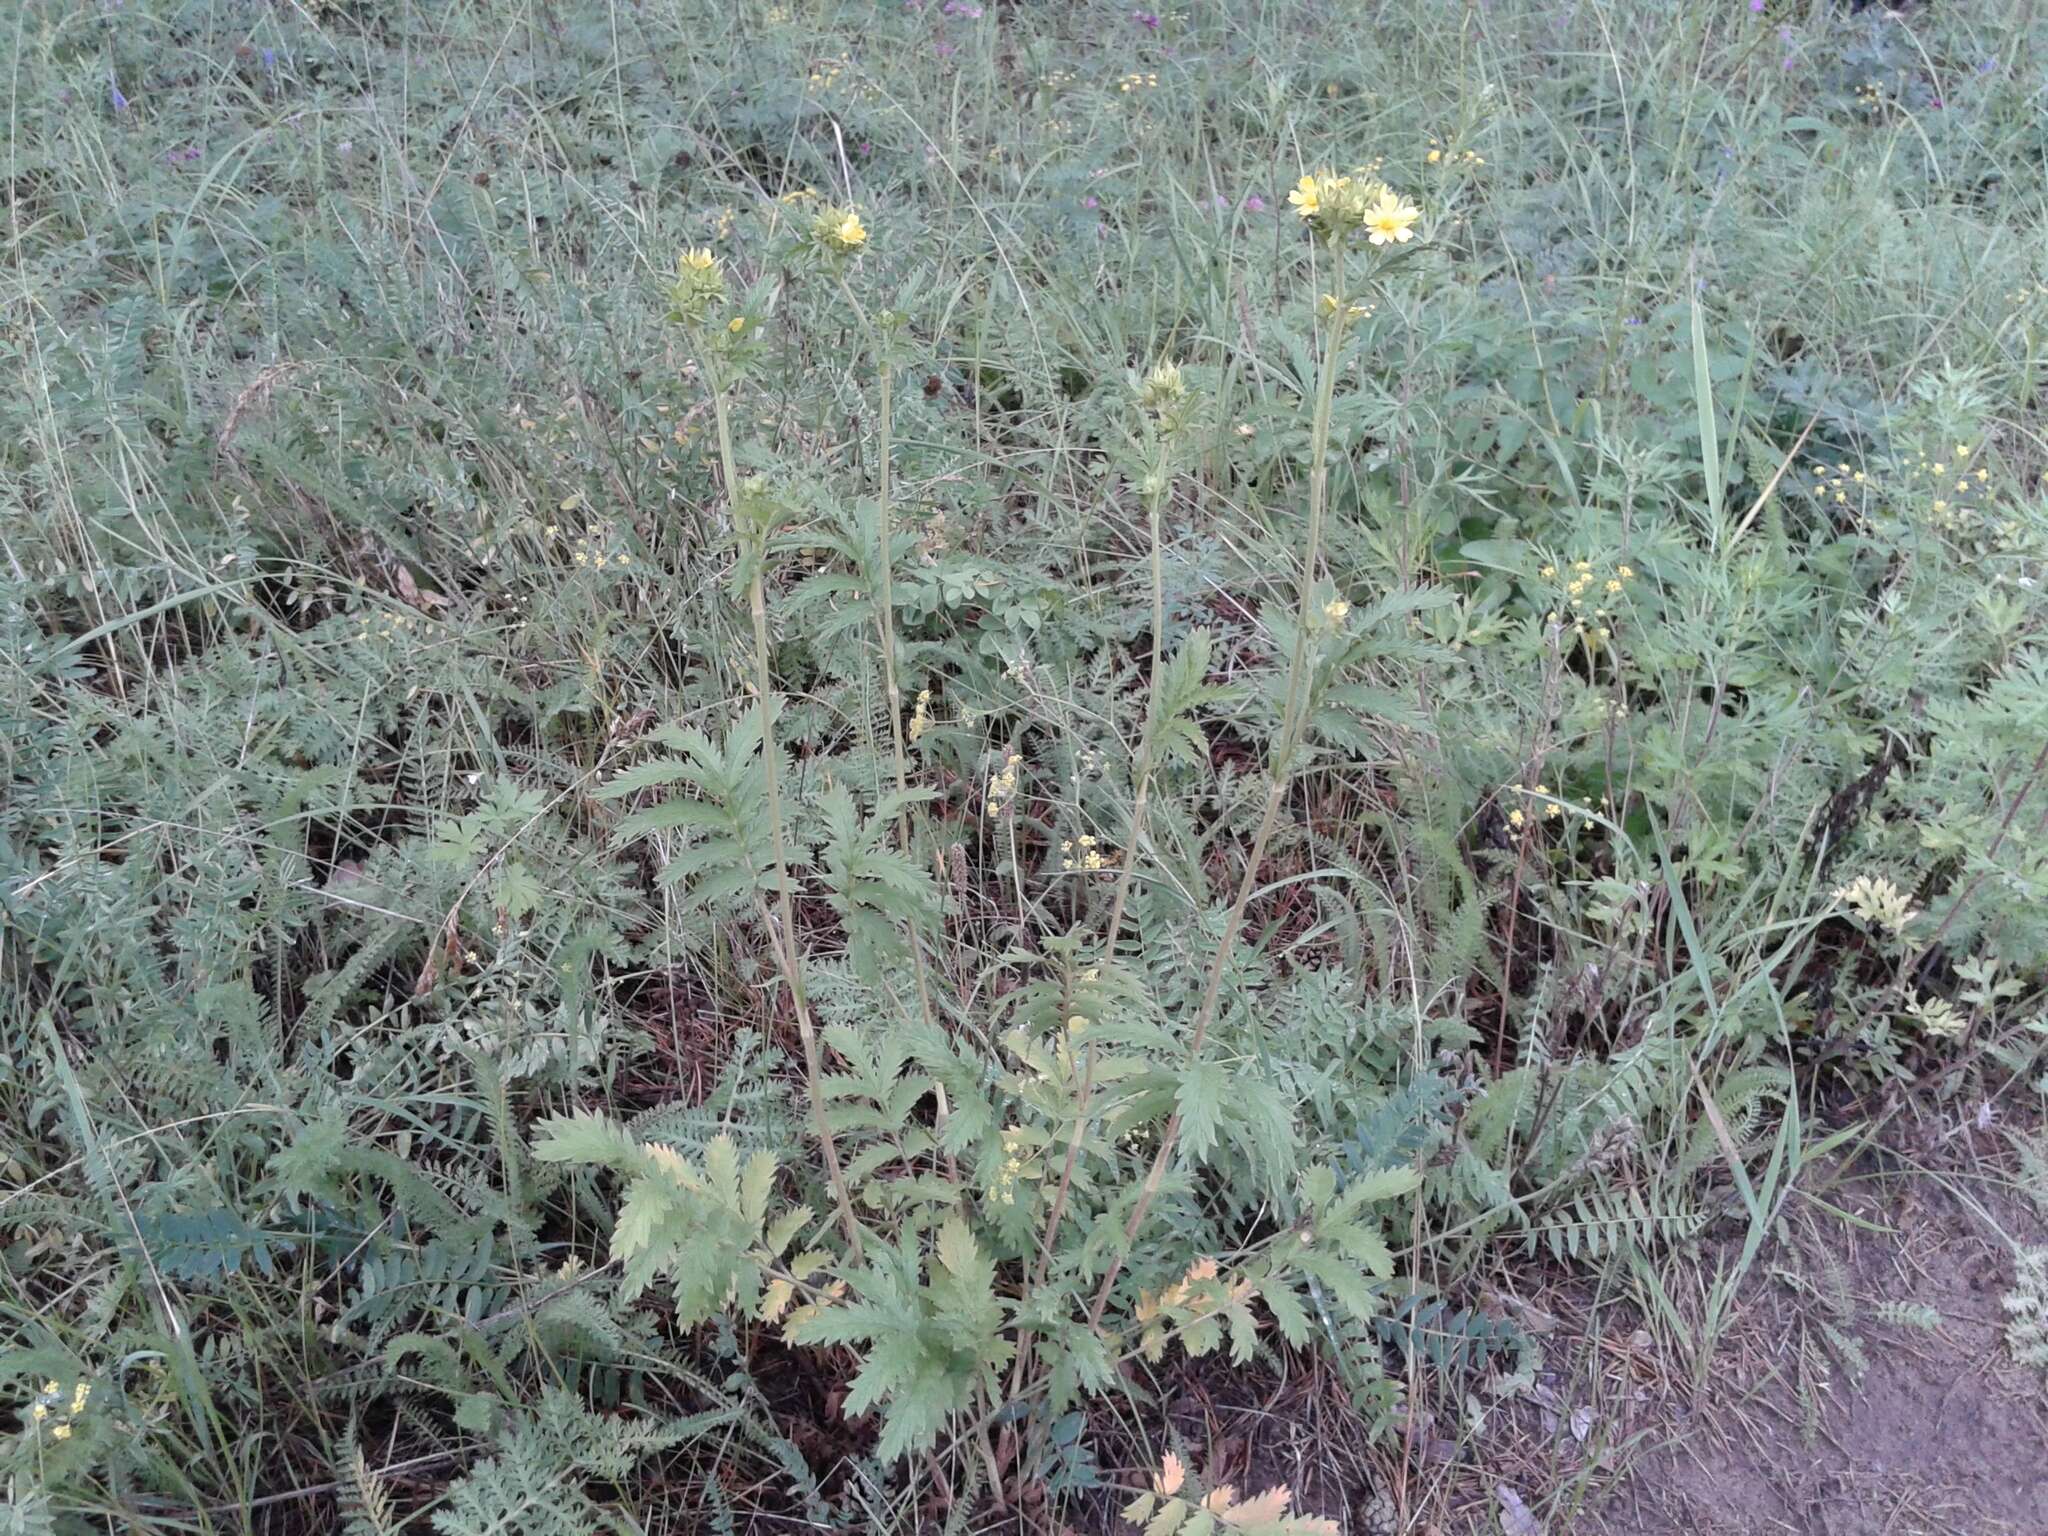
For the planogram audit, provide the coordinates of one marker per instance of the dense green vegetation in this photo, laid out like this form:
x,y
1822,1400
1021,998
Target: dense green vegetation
x,y
652,891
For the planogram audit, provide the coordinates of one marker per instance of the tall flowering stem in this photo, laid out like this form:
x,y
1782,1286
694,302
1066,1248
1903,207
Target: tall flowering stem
x,y
1280,771
1155,497
781,926
885,607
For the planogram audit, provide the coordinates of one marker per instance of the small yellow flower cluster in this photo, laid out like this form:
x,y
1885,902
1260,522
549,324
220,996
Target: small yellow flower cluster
x,y
1081,853
50,1403
1835,484
591,550
1440,155
1336,611
825,75
839,230
1056,78
1877,900
388,626
1533,794
1870,96
1540,802
2028,293
1336,206
1139,80
1002,786
921,717
1017,1154
1954,482
1579,588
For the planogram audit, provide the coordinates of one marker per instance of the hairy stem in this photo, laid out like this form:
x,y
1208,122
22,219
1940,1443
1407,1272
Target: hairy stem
x,y
781,929
1146,742
1292,716
885,614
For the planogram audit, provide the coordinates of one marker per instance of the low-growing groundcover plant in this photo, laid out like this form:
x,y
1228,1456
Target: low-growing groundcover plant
x,y
759,757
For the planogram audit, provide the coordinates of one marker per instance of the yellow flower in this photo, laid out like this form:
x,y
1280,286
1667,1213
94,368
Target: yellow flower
x,y
1391,220
61,1432
698,283
736,324
1307,197
1336,610
839,230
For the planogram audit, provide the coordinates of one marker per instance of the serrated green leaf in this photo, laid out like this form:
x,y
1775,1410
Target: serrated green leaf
x,y
1288,1314
1200,1101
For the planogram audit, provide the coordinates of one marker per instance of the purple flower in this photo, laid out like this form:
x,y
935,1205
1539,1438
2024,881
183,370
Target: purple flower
x,y
114,95
1091,201
1987,66
944,49
1255,204
1756,7
965,8
1146,19
183,156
